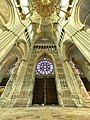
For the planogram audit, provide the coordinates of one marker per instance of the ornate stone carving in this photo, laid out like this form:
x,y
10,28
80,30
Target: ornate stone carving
x,y
45,7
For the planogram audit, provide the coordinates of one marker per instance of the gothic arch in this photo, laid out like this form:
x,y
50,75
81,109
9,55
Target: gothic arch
x,y
9,60
21,44
48,55
68,46
81,20
19,52
72,54
12,61
69,51
65,47
77,11
16,51
6,70
47,94
6,19
14,56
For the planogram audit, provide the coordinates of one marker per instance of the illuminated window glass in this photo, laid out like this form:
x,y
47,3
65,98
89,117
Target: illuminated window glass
x,y
44,67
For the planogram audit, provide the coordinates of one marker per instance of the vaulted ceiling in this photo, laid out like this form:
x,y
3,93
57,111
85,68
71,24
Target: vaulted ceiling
x,y
46,14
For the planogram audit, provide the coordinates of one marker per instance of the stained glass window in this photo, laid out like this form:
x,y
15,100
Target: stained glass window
x,y
44,67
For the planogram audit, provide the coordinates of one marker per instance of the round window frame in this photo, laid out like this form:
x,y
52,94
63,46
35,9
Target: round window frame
x,y
49,72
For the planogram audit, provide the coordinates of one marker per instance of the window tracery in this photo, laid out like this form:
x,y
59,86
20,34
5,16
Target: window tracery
x,y
44,67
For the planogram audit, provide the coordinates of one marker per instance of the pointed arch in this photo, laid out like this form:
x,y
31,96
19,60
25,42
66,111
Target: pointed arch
x,y
49,56
73,58
65,47
23,46
45,88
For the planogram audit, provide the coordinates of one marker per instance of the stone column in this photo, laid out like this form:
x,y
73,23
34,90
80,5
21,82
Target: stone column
x,y
13,88
83,91
10,83
31,90
59,91
72,83
19,80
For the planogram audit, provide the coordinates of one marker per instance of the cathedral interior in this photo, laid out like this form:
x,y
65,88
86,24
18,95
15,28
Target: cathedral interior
x,y
44,59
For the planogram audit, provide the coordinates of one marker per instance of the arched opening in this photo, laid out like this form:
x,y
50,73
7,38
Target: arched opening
x,y
84,8
6,72
82,20
10,65
4,10
6,14
45,87
79,64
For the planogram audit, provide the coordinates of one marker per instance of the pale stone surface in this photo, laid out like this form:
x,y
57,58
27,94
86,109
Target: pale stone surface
x,y
45,113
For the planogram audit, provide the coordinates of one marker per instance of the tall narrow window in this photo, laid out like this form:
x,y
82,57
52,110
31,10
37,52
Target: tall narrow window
x,y
45,67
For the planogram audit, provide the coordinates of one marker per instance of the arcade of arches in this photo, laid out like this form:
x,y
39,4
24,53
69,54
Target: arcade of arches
x,y
44,56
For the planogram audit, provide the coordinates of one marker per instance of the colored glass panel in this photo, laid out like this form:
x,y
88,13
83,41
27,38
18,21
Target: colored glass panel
x,y
44,67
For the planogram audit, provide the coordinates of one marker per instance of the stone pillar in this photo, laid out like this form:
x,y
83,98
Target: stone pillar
x,y
10,83
59,91
24,99
13,87
72,83
19,80
31,89
83,91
